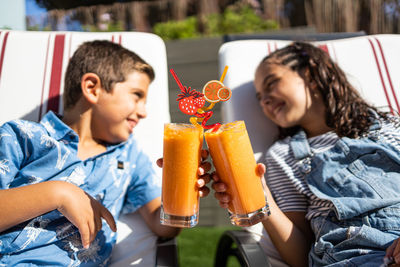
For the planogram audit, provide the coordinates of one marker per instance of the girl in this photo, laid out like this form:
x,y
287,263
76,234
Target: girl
x,y
334,174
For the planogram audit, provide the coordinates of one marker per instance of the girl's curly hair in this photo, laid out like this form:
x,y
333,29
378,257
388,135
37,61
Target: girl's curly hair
x,y
346,112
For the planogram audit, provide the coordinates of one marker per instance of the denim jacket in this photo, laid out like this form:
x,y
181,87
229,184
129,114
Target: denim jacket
x,y
361,177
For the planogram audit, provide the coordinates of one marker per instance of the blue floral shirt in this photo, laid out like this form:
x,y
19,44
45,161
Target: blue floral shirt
x,y
122,179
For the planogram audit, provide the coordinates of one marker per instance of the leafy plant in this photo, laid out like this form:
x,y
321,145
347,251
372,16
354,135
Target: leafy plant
x,y
110,26
177,29
244,20
235,19
38,28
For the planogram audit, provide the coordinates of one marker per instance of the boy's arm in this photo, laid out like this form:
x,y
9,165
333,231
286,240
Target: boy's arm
x,y
23,203
151,215
20,204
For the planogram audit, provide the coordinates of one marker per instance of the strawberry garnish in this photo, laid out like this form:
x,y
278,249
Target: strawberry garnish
x,y
199,102
187,106
190,100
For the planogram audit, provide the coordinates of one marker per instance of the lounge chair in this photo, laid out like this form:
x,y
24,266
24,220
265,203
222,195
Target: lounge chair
x,y
32,65
371,62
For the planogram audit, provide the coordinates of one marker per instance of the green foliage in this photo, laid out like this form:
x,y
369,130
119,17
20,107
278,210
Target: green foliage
x,y
112,26
244,20
212,25
197,246
235,19
38,28
33,28
177,29
117,26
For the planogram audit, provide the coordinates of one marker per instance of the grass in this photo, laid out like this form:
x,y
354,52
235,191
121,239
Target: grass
x,y
197,246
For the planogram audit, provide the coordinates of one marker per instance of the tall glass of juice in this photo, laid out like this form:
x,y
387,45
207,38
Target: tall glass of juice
x,y
234,162
182,156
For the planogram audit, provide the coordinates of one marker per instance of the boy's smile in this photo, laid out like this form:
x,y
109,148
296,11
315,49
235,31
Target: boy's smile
x,y
132,123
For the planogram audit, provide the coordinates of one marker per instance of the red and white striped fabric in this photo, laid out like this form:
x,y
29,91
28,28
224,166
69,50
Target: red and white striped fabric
x,y
32,66
371,63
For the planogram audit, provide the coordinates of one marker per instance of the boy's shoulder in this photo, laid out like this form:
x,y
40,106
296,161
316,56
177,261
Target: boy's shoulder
x,y
47,131
21,127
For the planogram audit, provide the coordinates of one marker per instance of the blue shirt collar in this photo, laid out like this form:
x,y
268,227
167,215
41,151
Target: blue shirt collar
x,y
56,127
60,131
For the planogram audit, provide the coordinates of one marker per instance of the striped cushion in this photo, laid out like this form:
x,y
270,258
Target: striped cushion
x,y
370,63
32,65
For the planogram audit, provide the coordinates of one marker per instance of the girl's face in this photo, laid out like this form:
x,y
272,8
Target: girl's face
x,y
286,100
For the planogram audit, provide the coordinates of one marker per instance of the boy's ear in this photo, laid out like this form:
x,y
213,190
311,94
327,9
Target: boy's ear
x,y
91,87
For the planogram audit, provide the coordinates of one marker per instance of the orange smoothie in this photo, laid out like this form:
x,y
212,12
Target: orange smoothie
x,y
182,156
234,161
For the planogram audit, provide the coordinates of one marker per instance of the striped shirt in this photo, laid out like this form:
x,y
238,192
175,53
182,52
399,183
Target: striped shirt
x,y
286,181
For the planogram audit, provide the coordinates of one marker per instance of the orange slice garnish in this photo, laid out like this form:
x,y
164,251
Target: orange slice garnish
x,y
224,93
210,91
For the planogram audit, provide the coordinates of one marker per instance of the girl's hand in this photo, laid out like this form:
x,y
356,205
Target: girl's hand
x,y
204,176
220,187
393,252
83,211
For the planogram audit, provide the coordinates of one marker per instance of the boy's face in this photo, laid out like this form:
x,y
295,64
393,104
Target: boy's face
x,y
119,111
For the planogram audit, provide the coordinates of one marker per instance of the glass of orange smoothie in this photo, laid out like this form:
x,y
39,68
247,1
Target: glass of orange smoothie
x,y
182,156
234,162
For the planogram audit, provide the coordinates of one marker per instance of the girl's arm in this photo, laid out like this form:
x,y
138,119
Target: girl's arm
x,y
289,232
392,256
20,204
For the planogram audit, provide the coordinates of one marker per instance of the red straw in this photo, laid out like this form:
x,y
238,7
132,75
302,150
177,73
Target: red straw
x,y
177,80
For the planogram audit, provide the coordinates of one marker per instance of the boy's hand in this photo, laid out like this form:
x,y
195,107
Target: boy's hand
x,y
84,212
220,187
204,176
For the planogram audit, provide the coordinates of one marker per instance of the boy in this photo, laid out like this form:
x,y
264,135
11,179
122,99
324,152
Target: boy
x,y
61,177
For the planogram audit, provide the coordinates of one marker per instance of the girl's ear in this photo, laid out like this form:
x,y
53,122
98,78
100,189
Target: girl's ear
x,y
313,85
91,86
306,75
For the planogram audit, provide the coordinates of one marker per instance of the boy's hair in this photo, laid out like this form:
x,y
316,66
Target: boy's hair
x,y
111,62
346,112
